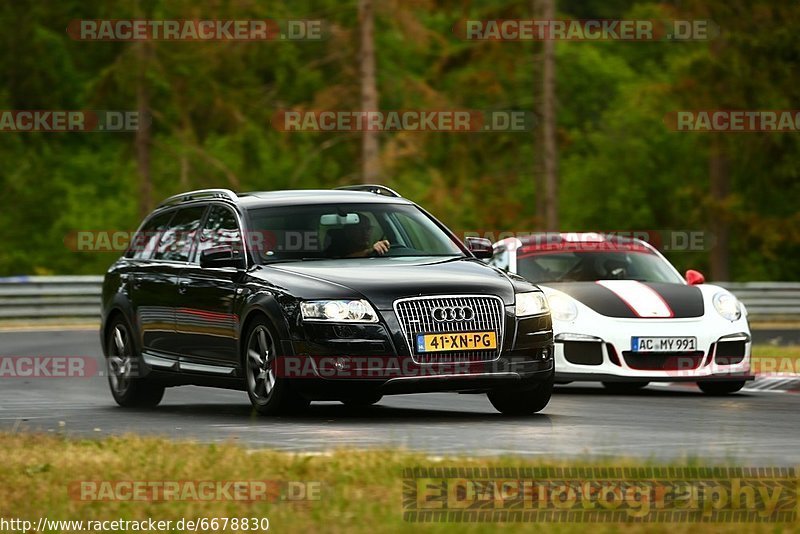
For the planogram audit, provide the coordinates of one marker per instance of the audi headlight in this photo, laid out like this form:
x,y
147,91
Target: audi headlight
x,y
345,311
727,306
533,303
562,307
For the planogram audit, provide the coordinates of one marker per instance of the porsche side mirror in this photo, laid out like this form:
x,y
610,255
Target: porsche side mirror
x,y
481,247
695,277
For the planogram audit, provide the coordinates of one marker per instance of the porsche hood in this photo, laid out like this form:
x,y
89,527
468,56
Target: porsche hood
x,y
631,299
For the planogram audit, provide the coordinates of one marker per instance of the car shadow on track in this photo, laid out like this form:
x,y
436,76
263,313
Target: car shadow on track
x,y
652,392
332,413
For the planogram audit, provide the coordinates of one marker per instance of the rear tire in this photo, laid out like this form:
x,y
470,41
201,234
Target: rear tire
x,y
123,364
624,387
721,388
269,393
522,401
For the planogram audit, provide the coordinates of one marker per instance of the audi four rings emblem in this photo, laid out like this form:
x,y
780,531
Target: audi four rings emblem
x,y
450,314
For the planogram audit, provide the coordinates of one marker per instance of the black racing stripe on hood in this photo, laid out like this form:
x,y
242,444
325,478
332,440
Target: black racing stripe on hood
x,y
597,297
685,301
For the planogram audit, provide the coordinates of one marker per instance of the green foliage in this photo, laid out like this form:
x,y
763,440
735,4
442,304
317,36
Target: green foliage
x,y
620,167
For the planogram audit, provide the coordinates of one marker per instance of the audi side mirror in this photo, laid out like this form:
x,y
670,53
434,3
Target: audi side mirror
x,y
480,247
221,257
695,277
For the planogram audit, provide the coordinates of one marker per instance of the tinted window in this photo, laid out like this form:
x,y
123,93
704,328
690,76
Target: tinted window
x,y
345,231
592,266
146,240
221,229
177,241
500,258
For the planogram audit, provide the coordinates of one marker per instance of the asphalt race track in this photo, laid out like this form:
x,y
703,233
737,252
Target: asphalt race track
x,y
659,423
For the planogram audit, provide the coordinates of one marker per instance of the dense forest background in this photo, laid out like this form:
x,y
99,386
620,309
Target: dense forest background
x,y
619,166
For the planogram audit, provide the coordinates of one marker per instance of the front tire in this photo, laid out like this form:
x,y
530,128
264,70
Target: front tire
x,y
123,361
522,401
721,388
269,393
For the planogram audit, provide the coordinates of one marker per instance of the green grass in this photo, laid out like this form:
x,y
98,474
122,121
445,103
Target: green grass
x,y
768,358
361,490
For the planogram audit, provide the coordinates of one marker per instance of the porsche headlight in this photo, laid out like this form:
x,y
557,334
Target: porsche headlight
x,y
343,311
727,306
532,303
562,307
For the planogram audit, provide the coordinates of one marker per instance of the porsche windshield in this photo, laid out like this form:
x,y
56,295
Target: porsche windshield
x,y
590,266
338,231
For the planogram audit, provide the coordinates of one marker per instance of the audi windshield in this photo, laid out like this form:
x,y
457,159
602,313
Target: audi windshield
x,y
297,233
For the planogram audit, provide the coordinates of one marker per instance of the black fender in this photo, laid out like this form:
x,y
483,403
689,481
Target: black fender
x,y
264,303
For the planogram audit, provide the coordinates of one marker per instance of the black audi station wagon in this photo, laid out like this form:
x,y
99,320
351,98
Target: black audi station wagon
x,y
296,296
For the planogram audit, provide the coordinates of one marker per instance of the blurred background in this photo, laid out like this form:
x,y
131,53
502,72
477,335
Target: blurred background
x,y
600,159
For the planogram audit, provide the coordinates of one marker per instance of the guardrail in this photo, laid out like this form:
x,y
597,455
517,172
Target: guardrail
x,y
32,297
768,300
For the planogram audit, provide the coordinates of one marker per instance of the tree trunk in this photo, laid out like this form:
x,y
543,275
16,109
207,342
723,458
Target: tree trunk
x,y
370,157
538,137
548,114
719,180
143,135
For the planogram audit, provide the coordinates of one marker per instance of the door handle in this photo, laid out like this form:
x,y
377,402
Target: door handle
x,y
183,285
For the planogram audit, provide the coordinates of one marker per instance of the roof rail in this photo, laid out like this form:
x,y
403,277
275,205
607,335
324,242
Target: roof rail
x,y
371,188
200,194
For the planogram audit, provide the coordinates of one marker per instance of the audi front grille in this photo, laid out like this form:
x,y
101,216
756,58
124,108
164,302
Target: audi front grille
x,y
416,316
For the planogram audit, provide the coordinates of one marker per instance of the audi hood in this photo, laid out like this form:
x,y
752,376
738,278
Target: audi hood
x,y
384,280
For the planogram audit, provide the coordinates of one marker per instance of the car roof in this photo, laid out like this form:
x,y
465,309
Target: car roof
x,y
359,194
314,196
573,242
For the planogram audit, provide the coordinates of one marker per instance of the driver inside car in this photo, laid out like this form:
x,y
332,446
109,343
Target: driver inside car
x,y
354,240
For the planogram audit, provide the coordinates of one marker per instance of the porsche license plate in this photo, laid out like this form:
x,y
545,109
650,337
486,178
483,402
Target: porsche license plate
x,y
663,344
456,341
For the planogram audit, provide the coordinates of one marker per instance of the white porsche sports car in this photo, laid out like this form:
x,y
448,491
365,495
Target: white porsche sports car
x,y
623,315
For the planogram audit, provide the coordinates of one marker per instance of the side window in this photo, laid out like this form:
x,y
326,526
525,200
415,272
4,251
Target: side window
x,y
177,241
147,238
221,229
500,259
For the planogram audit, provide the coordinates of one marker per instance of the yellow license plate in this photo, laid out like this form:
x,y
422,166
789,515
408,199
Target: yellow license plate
x,y
456,341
